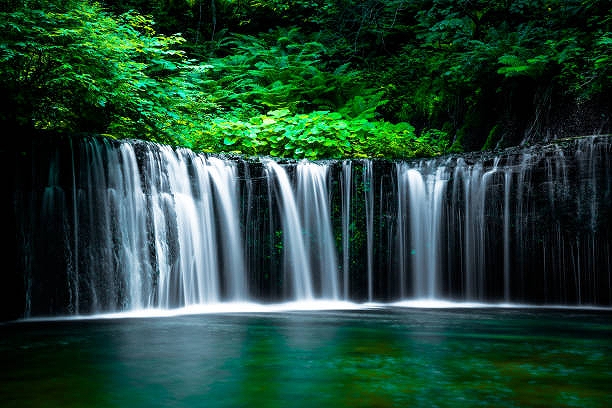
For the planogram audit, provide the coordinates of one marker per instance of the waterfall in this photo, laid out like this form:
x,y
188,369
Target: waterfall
x,y
296,261
223,175
113,226
346,183
402,226
313,199
193,273
473,187
425,189
506,236
368,190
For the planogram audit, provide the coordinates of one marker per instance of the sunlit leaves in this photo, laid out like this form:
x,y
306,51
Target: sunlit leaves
x,y
320,135
84,69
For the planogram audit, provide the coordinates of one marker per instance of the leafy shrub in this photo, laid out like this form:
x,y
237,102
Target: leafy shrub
x,y
316,135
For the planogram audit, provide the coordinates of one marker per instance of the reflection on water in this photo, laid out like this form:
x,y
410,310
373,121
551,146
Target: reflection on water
x,y
384,357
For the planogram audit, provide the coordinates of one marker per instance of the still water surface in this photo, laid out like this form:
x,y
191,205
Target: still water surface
x,y
379,357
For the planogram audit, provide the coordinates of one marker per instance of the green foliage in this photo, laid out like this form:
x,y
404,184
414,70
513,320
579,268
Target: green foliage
x,y
282,69
513,65
602,62
492,138
317,135
305,79
82,69
491,60
281,98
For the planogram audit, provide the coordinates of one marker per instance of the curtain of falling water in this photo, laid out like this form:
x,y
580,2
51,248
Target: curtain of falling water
x,y
132,225
313,204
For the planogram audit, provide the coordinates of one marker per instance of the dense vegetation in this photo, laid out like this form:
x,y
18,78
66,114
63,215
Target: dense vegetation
x,y
309,78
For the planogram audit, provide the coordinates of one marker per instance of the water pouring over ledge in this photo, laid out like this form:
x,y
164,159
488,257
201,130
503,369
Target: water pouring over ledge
x,y
134,226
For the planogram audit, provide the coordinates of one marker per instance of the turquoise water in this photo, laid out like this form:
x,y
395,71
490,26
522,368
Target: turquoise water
x,y
382,357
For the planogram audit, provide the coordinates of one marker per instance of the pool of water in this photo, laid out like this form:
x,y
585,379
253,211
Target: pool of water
x,y
370,357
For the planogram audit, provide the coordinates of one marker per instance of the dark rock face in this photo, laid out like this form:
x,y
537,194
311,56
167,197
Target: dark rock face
x,y
529,225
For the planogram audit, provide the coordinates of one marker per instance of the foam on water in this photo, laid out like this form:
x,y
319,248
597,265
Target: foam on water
x,y
303,306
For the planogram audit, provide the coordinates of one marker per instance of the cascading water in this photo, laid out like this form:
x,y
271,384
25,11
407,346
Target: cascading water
x,y
134,225
506,232
313,199
368,188
346,189
421,192
223,175
296,260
